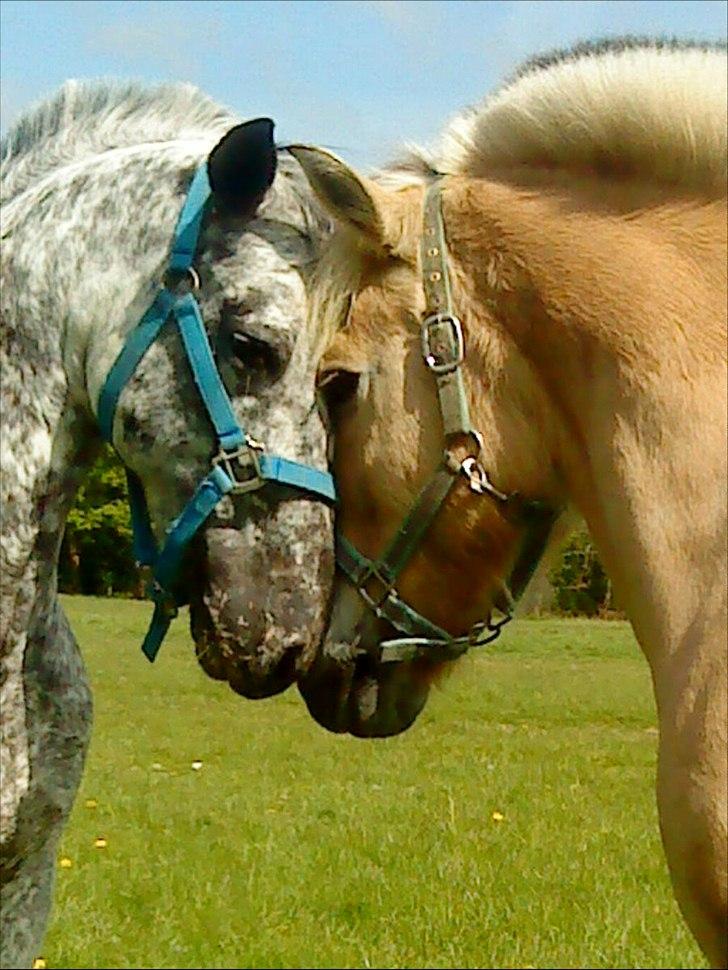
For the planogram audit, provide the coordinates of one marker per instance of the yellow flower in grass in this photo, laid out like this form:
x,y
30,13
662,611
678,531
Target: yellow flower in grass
x,y
100,842
497,816
39,964
65,862
91,803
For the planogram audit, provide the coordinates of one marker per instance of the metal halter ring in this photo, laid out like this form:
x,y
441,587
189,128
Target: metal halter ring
x,y
486,631
478,479
189,278
375,598
478,439
164,600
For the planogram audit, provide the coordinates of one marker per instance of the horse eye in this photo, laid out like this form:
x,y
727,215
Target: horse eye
x,y
255,354
335,388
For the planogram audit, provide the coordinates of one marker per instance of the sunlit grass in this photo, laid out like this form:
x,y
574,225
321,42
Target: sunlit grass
x,y
513,826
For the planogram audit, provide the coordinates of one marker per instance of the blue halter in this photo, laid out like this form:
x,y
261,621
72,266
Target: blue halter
x,y
240,464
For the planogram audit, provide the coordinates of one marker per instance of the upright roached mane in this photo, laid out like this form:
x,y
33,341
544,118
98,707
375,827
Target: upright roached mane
x,y
616,107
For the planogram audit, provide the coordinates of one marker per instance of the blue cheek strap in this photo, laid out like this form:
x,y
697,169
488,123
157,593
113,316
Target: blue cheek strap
x,y
240,465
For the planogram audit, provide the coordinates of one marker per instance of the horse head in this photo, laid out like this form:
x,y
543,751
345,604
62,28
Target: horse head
x,y
431,445
257,571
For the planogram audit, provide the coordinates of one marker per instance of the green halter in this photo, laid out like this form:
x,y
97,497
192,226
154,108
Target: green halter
x,y
443,352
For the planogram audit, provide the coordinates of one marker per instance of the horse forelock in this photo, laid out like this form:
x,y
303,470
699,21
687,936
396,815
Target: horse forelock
x,y
334,283
627,106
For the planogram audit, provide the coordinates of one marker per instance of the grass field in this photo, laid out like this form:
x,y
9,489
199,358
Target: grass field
x,y
513,826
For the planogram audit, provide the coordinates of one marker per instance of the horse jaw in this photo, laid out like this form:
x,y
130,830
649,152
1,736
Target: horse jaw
x,y
348,690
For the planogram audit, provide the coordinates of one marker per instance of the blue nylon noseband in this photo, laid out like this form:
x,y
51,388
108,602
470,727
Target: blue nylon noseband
x,y
240,464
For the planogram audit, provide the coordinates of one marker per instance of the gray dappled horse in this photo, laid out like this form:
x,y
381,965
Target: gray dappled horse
x,y
93,184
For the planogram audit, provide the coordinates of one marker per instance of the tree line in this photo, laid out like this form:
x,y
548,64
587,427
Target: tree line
x,y
97,559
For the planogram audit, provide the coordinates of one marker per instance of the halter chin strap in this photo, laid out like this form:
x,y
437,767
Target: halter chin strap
x,y
240,465
443,351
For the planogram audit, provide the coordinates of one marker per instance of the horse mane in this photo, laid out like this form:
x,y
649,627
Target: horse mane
x,y
635,106
626,107
85,118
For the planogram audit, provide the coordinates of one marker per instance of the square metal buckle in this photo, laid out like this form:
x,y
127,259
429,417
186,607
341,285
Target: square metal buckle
x,y
242,467
442,342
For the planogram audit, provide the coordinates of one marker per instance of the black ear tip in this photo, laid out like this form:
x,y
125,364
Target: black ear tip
x,y
241,167
265,124
257,128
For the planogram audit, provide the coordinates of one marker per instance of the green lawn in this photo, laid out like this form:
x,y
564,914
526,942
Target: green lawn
x,y
513,826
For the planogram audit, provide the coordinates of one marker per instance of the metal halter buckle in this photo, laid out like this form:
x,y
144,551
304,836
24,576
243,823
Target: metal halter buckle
x,y
242,466
442,342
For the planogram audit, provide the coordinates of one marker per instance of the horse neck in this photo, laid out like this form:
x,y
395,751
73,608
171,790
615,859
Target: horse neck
x,y
621,319
82,250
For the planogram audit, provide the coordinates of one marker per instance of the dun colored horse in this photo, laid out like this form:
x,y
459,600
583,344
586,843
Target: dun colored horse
x,y
534,321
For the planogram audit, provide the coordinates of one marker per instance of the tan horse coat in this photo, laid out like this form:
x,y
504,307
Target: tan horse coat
x,y
590,274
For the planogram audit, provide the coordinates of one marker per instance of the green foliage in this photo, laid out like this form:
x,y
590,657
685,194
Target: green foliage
x,y
579,582
96,556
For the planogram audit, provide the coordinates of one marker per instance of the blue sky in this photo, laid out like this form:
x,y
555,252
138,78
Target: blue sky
x,y
360,76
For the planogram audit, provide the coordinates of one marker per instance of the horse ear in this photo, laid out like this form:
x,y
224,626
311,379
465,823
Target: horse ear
x,y
242,166
349,197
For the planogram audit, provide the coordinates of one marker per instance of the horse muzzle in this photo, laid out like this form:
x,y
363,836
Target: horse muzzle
x,y
362,697
258,612
348,689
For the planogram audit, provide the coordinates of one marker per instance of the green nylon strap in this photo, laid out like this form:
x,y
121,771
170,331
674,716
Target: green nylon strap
x,y
540,522
453,404
389,607
441,331
420,517
433,250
